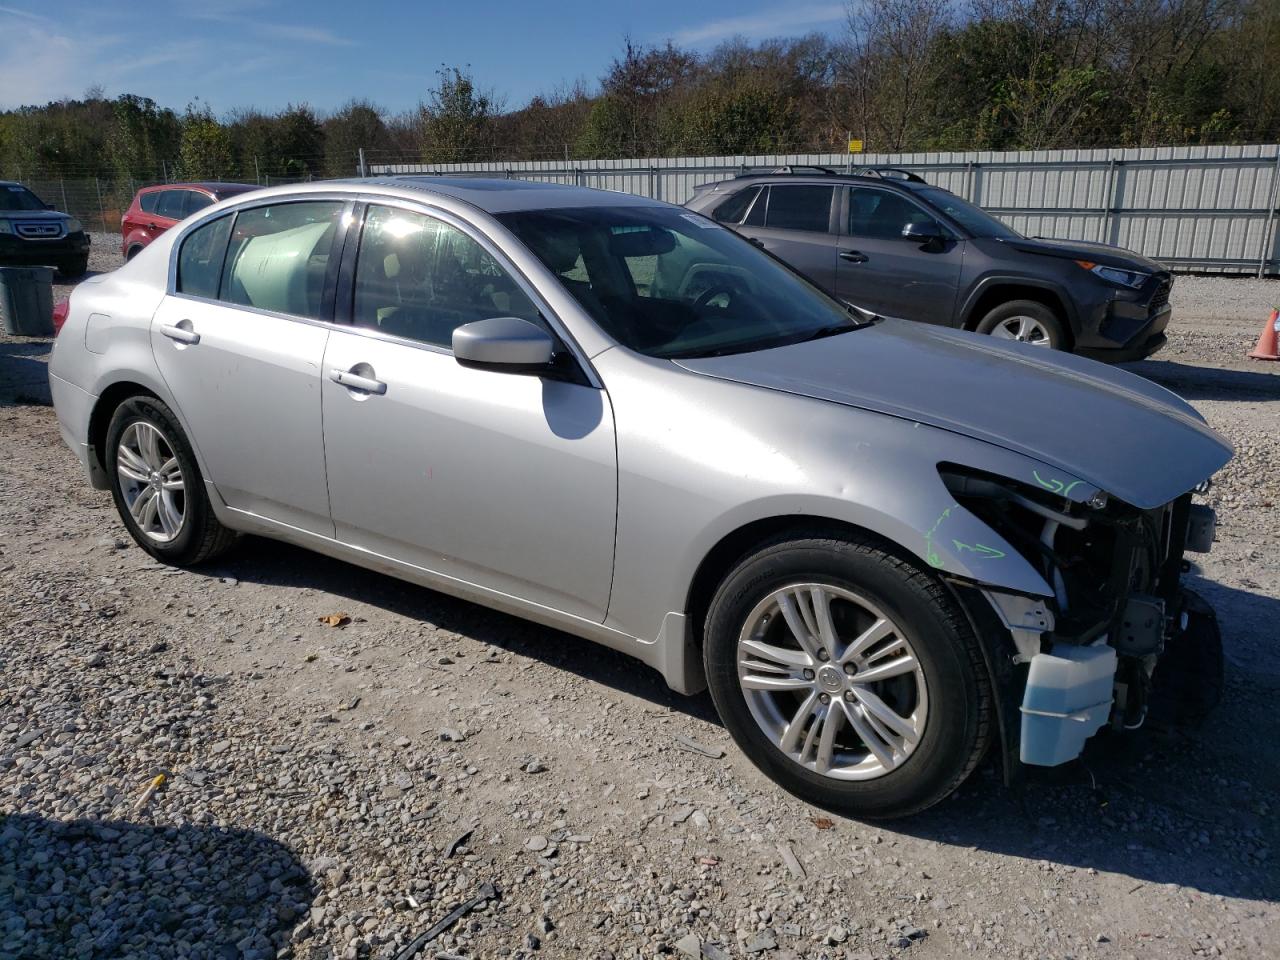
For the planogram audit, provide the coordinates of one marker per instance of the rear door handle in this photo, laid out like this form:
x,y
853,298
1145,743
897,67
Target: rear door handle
x,y
180,333
353,381
853,256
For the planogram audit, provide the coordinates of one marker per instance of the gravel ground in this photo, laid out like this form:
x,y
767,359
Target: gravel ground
x,y
335,791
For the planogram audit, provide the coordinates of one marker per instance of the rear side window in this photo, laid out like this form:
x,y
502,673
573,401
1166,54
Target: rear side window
x,y
733,208
799,207
278,256
148,201
196,201
172,204
200,258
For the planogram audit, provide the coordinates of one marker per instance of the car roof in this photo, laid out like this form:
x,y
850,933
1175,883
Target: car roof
x,y
496,195
213,186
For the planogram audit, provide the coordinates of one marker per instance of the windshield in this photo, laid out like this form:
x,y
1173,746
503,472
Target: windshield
x,y
14,197
668,283
974,219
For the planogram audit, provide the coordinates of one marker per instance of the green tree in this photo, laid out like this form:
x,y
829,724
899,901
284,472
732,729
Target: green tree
x,y
456,122
206,146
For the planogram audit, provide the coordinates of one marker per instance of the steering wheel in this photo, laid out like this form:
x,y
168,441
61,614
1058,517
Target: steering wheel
x,y
704,299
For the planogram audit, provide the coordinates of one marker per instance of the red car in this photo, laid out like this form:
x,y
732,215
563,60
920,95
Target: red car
x,y
155,209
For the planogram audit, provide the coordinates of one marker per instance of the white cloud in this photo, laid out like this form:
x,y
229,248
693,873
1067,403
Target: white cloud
x,y
301,34
773,23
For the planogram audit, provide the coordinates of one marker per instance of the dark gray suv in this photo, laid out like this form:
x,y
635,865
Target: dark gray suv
x,y
889,242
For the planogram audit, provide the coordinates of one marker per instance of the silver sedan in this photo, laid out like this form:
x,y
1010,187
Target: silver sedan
x,y
886,548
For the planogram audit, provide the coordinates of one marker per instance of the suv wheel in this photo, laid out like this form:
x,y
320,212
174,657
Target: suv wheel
x,y
157,486
1026,321
74,269
847,675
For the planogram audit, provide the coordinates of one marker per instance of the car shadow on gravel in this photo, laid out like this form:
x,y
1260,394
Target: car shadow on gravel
x,y
24,373
279,564
96,888
1189,807
1210,383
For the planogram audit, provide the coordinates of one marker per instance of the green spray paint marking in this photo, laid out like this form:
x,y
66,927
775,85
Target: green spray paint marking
x,y
1057,486
987,553
931,554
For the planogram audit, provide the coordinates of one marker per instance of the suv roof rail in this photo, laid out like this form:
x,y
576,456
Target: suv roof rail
x,y
800,169
807,169
889,173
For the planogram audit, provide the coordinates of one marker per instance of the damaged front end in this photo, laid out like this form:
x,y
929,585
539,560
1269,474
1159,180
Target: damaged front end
x,y
1088,655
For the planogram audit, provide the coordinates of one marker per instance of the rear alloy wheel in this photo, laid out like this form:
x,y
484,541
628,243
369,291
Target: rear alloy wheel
x,y
157,486
848,675
1025,321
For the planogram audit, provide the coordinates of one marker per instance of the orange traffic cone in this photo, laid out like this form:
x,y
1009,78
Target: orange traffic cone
x,y
1267,348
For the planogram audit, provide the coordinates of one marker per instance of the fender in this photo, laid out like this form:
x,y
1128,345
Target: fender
x,y
989,281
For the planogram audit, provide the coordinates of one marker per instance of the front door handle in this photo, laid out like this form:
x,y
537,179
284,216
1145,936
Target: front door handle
x,y
181,333
853,256
354,381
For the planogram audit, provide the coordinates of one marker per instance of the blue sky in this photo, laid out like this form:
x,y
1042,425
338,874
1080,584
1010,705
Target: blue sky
x,y
267,53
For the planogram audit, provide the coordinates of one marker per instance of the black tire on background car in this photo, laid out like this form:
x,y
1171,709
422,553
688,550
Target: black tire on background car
x,y
133,252
1027,321
157,487
74,269
892,652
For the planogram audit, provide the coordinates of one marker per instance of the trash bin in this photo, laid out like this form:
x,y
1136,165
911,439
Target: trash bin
x,y
26,301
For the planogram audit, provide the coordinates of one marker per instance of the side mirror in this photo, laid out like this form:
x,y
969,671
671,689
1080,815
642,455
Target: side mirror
x,y
504,344
926,231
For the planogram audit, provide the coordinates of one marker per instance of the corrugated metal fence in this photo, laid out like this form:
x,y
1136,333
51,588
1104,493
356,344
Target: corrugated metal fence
x,y
1208,209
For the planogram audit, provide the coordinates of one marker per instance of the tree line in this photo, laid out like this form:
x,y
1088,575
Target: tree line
x,y
903,75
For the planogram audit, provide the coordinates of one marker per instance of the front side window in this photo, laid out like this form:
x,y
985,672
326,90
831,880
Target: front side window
x,y
797,206
881,214
196,200
670,284
173,204
420,278
14,198
200,258
278,256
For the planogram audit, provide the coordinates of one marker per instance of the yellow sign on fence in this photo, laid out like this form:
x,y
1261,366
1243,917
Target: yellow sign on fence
x,y
855,146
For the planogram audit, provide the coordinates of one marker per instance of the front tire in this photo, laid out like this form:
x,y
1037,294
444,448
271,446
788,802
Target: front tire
x,y
157,487
74,269
1025,321
847,675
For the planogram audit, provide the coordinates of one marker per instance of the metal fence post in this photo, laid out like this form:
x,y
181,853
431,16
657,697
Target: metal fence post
x,y
1108,200
1264,256
63,185
102,212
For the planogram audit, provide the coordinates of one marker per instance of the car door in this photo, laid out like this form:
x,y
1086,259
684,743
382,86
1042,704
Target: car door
x,y
794,222
882,270
502,480
240,350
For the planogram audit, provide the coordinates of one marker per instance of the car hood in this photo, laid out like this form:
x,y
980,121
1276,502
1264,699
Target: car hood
x,y
1123,434
34,215
1081,250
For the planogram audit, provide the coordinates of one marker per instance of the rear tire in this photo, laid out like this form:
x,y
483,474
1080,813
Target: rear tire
x,y
157,486
1027,321
943,699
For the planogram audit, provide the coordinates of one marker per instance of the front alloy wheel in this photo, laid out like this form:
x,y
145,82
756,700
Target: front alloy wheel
x,y
847,673
832,681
